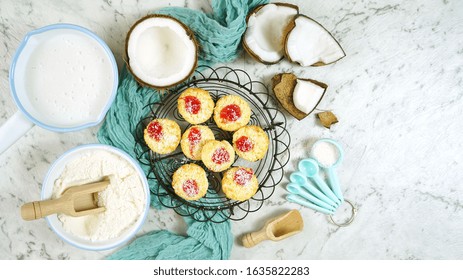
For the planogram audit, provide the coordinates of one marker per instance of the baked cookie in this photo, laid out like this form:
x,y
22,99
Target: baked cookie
x,y
217,155
162,135
193,140
231,112
250,142
190,182
239,183
195,105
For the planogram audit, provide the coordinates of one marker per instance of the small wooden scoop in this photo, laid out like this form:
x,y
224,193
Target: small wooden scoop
x,y
276,229
75,201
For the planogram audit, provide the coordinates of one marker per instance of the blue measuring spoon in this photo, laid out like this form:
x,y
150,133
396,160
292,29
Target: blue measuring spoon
x,y
300,179
298,190
299,200
309,168
331,168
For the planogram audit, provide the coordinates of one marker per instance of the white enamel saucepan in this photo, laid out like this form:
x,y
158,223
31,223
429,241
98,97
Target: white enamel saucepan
x,y
62,78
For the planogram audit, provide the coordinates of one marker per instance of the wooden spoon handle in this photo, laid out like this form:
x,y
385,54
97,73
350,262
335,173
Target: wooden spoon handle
x,y
252,239
39,209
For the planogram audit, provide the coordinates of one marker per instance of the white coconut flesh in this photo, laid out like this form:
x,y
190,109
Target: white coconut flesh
x,y
264,33
160,51
309,43
306,95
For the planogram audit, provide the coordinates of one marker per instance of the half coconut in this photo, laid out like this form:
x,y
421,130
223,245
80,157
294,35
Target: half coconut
x,y
308,43
264,36
298,96
161,51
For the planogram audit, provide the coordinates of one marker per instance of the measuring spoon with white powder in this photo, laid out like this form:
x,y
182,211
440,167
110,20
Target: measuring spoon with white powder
x,y
329,154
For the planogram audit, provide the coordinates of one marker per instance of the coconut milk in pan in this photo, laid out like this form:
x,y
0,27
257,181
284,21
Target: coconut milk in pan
x,y
69,79
63,78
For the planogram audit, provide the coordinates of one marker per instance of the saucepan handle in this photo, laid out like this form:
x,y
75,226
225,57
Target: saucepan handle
x,y
15,127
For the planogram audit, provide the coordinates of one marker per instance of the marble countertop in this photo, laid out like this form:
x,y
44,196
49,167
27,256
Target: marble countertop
x,y
398,95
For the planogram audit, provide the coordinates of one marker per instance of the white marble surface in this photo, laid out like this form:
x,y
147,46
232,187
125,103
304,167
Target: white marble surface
x,y
398,95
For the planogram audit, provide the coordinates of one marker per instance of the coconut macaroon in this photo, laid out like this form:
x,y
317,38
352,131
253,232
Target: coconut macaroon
x,y
190,182
217,156
250,142
239,183
231,112
193,140
161,51
195,105
162,135
263,39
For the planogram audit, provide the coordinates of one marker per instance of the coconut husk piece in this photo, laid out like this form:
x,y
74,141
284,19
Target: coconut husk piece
x,y
327,118
283,87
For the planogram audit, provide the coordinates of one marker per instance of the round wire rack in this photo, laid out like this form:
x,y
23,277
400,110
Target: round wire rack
x,y
215,206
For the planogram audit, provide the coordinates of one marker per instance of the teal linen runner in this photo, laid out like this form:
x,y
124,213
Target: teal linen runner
x,y
219,37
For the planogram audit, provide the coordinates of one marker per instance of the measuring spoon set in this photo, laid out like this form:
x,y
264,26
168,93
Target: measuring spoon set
x,y
309,189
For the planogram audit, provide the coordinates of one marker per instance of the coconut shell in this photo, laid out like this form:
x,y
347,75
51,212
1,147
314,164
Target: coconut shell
x,y
327,118
283,87
291,26
243,42
190,35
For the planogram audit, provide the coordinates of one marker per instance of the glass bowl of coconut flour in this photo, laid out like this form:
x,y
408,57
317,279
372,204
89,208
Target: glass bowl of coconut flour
x,y
126,198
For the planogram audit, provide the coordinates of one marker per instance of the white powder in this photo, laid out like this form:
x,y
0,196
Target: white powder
x,y
124,198
325,153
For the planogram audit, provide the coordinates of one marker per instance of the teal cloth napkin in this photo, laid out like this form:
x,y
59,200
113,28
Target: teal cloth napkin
x,y
219,36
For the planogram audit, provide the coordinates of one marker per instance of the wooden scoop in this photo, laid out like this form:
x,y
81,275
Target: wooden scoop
x,y
75,201
276,229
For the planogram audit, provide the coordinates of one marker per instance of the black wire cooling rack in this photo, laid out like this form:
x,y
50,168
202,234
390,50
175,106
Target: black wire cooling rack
x,y
215,206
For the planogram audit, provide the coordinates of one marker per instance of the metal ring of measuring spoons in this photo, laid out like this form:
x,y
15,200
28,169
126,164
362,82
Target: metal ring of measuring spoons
x,y
351,219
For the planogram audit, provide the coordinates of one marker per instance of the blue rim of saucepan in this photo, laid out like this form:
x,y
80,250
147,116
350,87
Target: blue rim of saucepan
x,y
142,178
54,27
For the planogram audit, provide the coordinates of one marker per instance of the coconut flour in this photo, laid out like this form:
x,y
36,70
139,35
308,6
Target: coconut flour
x,y
325,153
124,198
